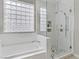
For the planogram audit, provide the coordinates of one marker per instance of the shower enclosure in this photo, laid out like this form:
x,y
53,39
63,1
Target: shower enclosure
x,y
40,27
60,20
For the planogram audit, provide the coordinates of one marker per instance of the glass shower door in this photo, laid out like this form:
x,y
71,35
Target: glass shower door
x,y
59,26
63,27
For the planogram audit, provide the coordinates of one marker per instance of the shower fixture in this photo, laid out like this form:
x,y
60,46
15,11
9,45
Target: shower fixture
x,y
49,26
66,22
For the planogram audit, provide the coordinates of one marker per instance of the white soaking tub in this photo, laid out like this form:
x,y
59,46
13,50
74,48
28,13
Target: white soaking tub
x,y
23,51
40,54
31,49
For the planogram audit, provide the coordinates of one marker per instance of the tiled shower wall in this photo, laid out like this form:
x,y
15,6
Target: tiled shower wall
x,y
66,6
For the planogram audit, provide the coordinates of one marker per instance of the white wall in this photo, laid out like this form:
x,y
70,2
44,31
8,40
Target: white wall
x,y
76,32
0,50
1,17
0,27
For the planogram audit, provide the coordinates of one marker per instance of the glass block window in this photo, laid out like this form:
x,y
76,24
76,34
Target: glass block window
x,y
42,19
18,16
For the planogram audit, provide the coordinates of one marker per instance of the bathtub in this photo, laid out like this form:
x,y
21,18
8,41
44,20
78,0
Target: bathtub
x,y
38,55
23,51
32,49
20,52
34,54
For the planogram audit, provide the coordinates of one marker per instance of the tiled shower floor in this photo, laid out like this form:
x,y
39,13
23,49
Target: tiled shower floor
x,y
70,57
